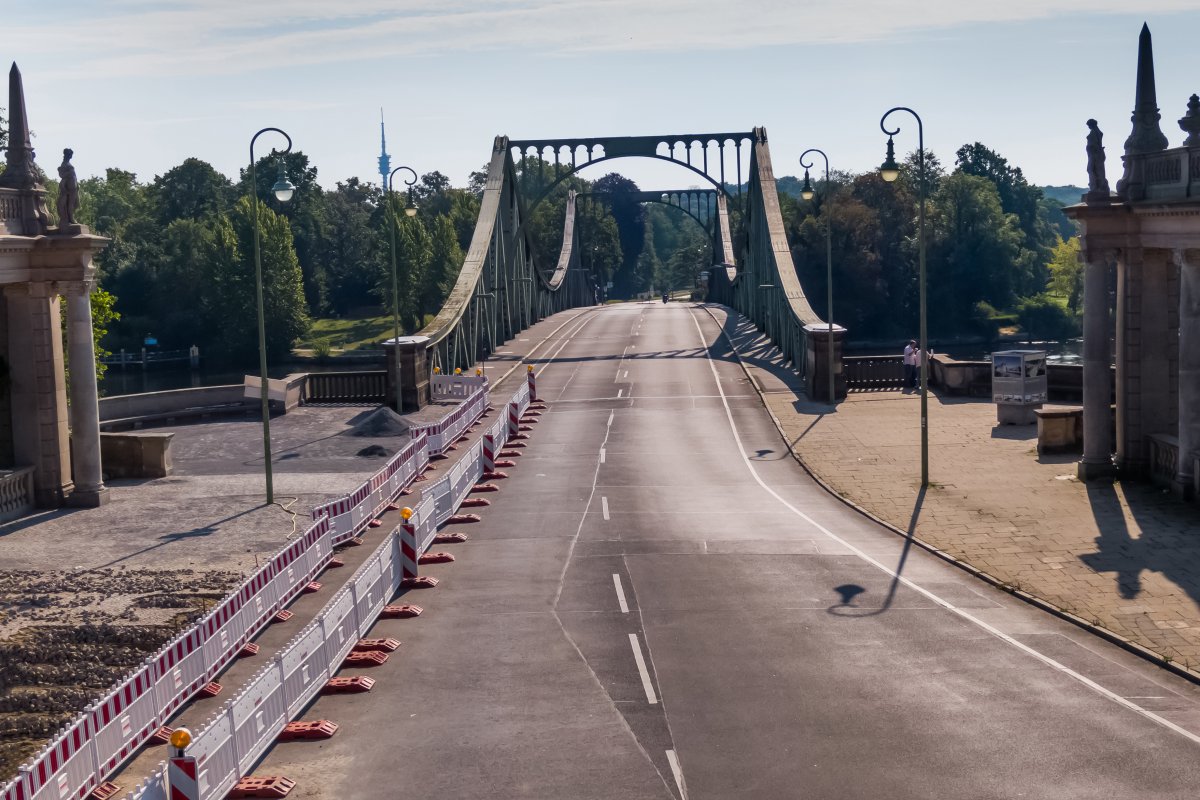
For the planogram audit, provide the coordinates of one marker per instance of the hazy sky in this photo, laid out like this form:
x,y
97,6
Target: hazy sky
x,y
143,84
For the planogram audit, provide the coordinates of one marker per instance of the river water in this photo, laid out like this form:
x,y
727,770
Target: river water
x,y
135,380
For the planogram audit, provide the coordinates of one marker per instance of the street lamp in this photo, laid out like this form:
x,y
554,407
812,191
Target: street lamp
x,y
410,210
283,190
807,193
890,171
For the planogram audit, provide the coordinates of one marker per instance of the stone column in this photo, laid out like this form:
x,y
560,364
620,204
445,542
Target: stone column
x,y
1189,367
85,409
414,372
38,390
1097,370
816,379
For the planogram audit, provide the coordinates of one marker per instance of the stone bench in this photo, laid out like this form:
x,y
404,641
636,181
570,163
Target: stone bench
x,y
136,455
1060,429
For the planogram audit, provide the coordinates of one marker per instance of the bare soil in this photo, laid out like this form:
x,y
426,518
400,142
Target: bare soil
x,y
66,638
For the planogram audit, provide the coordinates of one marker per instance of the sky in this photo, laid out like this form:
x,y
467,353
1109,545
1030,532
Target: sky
x,y
144,84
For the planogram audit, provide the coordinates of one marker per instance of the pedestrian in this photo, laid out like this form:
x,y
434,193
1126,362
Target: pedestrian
x,y
910,364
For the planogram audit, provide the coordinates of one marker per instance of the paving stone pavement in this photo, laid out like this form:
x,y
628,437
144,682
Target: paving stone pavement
x,y
1122,555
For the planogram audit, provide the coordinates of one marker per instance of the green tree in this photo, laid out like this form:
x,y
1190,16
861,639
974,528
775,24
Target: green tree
x,y
231,294
186,312
305,214
352,252
445,262
630,217
1066,273
193,190
973,248
413,251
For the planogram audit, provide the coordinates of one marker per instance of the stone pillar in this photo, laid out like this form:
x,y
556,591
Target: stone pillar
x,y
1143,356
816,378
39,390
85,409
413,371
1189,367
1097,370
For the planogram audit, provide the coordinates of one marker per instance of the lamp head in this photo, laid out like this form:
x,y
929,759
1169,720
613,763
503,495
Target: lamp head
x,y
890,170
806,191
283,188
410,208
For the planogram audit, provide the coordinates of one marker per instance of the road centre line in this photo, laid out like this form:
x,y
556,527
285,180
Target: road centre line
x,y
604,506
1004,637
620,594
673,760
535,348
651,698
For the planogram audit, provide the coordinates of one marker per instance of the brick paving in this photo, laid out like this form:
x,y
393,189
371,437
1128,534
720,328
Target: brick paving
x,y
1122,555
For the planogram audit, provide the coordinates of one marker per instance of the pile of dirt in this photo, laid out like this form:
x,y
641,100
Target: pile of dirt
x,y
382,422
66,638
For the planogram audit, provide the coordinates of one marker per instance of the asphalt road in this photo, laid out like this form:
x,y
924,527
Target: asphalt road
x,y
660,603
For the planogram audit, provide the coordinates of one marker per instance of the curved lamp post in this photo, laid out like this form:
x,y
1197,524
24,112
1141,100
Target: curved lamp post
x,y
890,171
410,210
283,190
807,193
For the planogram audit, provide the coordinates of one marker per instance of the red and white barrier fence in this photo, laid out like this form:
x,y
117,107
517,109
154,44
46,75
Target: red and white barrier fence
x,y
86,751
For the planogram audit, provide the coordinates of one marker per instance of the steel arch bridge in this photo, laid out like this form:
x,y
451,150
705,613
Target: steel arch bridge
x,y
502,290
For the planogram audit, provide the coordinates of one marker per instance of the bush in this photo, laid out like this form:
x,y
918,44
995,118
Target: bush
x,y
1047,317
322,349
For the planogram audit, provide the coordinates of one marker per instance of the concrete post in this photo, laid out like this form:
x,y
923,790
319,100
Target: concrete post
x,y
1189,367
1097,368
816,377
414,371
85,408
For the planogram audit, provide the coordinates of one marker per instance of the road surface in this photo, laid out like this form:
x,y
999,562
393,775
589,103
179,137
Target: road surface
x,y
660,603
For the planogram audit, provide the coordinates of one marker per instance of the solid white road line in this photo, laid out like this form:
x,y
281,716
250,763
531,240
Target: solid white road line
x,y
620,594
611,414
1001,635
604,506
677,772
603,455
651,698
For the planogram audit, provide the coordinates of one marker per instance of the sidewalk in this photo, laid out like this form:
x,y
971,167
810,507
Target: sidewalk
x,y
1121,556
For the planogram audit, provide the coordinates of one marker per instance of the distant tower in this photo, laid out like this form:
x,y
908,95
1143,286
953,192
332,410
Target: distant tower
x,y
385,161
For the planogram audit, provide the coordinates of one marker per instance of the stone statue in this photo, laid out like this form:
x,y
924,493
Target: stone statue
x,y
68,191
1097,183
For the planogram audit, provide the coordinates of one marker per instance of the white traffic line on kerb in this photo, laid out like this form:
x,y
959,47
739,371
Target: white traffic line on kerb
x,y
604,506
651,698
999,634
620,594
673,760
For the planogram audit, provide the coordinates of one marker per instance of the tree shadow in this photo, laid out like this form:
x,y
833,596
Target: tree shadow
x,y
194,533
849,592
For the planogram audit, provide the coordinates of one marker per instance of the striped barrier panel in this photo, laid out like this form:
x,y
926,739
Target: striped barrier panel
x,y
68,768
305,667
259,714
216,757
179,671
124,720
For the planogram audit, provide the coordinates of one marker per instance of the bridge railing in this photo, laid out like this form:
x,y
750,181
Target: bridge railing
x,y
867,373
346,387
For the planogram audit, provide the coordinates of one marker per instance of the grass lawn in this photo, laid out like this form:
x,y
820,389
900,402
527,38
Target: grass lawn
x,y
350,333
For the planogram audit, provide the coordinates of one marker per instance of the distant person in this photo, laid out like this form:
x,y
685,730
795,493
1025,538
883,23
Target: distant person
x,y
910,364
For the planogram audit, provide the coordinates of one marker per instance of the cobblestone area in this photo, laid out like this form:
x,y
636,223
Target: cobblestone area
x,y
1123,555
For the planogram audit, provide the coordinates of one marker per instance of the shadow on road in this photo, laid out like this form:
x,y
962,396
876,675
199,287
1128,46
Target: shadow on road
x,y
849,592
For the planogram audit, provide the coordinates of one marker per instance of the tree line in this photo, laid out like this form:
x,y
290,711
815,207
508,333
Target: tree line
x,y
998,251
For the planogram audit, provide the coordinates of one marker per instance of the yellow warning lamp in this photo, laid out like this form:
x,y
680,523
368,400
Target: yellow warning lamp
x,y
437,370
530,368
478,372
406,513
458,370
181,738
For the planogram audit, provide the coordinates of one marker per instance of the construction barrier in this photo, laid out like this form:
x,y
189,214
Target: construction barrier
x,y
455,387
110,731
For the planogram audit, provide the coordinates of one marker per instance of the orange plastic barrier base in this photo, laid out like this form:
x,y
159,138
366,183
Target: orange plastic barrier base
x,y
270,786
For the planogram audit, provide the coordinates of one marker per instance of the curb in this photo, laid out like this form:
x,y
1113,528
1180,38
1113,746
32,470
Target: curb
x,y
1098,630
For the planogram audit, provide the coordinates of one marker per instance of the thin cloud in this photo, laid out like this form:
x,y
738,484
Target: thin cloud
x,y
209,37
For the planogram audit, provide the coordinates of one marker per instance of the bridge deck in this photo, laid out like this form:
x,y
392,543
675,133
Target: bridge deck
x,y
656,519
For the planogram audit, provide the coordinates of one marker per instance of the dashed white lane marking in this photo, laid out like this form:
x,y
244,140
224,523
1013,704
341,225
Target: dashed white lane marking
x,y
626,374
620,392
677,772
651,698
611,414
604,507
603,455
620,594
999,634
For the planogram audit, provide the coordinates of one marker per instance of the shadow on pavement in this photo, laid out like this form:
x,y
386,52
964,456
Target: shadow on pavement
x,y
849,591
